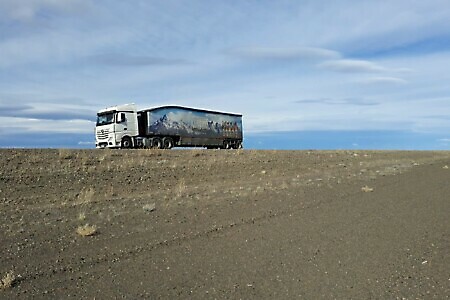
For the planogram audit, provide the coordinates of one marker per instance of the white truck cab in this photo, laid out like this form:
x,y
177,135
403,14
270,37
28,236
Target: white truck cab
x,y
116,127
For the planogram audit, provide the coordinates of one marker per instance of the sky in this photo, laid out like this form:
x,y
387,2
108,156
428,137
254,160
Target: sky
x,y
304,74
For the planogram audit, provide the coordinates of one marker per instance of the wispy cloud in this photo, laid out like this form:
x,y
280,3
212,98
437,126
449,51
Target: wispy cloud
x,y
10,108
351,65
115,59
46,111
338,101
86,143
26,11
383,80
287,53
12,125
56,47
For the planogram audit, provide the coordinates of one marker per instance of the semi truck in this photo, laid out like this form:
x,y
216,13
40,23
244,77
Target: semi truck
x,y
165,127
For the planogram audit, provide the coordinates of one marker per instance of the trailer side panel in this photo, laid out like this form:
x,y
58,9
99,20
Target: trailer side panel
x,y
194,127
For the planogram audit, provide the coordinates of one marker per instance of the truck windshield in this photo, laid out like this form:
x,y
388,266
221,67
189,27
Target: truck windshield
x,y
105,118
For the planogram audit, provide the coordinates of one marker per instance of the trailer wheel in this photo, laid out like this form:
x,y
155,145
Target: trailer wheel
x,y
167,143
157,143
126,143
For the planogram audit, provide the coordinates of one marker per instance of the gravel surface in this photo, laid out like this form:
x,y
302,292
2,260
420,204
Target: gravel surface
x,y
216,224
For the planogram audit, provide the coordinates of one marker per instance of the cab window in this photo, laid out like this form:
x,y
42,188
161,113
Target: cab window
x,y
121,118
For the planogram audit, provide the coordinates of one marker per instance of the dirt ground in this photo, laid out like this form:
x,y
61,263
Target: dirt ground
x,y
218,224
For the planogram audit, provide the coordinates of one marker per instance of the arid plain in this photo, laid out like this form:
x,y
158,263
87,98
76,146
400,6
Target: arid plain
x,y
218,224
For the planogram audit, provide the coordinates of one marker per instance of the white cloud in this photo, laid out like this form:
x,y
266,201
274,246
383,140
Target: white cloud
x,y
352,80
46,111
56,48
372,26
114,59
28,10
11,125
83,143
384,80
351,65
287,53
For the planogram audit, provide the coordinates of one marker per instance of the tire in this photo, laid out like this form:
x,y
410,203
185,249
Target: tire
x,y
126,143
237,145
226,145
157,143
167,143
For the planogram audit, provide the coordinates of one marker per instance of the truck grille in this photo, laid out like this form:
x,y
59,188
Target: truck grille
x,y
102,134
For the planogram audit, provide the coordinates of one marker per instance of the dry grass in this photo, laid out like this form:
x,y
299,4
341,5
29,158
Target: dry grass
x,y
86,196
8,280
87,230
111,192
180,188
284,185
65,154
366,189
82,216
197,152
239,151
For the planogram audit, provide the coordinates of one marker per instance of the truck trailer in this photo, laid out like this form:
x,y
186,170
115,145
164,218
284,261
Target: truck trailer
x,y
165,127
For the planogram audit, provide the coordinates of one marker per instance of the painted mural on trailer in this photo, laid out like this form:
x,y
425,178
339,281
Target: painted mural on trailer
x,y
184,122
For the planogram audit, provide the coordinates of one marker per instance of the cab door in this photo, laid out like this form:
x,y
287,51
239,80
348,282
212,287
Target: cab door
x,y
121,126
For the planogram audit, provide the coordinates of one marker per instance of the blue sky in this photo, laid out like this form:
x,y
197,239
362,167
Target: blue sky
x,y
305,74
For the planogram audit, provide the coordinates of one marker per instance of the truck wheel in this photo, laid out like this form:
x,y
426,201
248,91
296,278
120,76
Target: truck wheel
x,y
237,145
157,144
126,143
167,143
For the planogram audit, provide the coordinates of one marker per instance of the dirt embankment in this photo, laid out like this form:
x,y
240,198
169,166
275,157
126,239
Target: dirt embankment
x,y
224,224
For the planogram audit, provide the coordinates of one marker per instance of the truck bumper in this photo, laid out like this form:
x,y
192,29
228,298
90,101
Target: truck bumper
x,y
109,143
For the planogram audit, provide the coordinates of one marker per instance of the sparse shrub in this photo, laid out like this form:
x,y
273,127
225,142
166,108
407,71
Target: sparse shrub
x,y
86,196
65,154
366,189
110,192
181,188
82,216
8,280
284,185
197,152
239,151
87,230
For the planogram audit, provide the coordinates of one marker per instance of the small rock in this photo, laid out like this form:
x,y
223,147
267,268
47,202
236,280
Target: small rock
x,y
445,167
263,172
149,207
